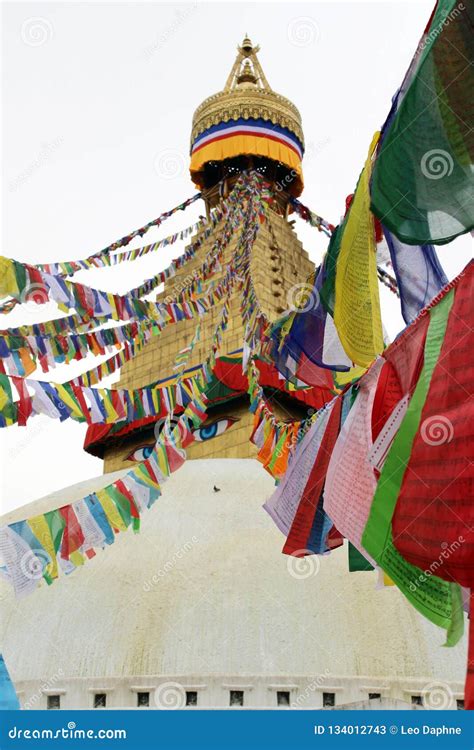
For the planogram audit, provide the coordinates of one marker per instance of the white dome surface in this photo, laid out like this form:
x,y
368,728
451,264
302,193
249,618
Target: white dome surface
x,y
203,597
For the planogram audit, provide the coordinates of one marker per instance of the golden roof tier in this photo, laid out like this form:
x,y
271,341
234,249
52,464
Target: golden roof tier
x,y
247,125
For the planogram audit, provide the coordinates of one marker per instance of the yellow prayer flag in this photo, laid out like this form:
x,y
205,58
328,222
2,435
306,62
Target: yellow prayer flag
x,y
357,305
39,527
8,283
76,558
110,510
111,414
70,402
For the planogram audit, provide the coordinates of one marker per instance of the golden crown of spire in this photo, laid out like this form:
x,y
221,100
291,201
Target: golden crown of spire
x,y
247,94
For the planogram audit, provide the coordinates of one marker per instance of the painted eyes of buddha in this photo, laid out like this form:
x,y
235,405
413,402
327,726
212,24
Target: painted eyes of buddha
x,y
140,454
214,429
201,434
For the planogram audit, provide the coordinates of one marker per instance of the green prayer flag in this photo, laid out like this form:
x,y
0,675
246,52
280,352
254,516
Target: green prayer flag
x,y
436,599
422,181
122,504
357,561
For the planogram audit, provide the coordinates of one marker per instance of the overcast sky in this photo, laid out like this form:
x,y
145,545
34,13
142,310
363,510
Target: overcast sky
x,y
97,101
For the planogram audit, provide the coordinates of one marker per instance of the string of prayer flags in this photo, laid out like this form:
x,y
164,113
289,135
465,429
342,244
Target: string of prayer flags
x,y
433,529
85,404
313,219
351,482
311,524
438,600
283,504
20,353
305,344
64,538
422,179
31,284
322,225
103,257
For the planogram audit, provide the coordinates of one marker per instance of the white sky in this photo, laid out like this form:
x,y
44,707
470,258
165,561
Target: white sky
x,y
96,122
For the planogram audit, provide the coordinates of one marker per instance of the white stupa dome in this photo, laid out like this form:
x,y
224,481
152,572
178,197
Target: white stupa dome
x,y
202,601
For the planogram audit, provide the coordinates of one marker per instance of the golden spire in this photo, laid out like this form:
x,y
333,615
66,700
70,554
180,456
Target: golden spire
x,y
247,68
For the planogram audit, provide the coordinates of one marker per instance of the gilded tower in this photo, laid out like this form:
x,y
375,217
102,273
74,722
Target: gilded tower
x,y
245,126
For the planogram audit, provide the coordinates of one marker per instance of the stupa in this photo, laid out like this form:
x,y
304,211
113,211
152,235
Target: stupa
x,y
201,608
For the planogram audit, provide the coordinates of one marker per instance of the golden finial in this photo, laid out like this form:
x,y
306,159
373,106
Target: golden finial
x,y
246,45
